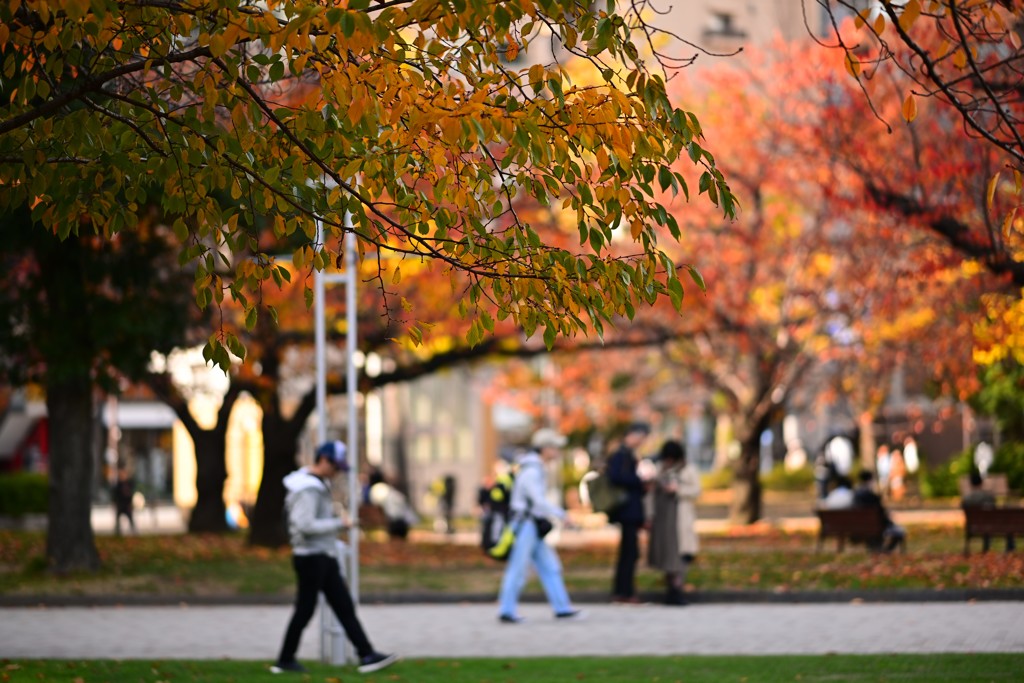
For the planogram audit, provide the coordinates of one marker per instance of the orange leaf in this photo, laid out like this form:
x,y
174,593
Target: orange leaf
x,y
992,184
852,65
910,108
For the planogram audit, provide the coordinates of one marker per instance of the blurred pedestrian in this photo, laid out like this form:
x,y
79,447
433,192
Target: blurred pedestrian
x,y
911,458
622,471
442,489
399,515
984,456
897,474
313,529
673,539
123,495
841,497
883,466
530,513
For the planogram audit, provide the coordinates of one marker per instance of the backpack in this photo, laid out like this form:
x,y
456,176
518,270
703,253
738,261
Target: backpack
x,y
604,496
497,532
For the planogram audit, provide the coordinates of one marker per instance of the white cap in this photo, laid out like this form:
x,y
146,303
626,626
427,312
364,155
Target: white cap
x,y
544,438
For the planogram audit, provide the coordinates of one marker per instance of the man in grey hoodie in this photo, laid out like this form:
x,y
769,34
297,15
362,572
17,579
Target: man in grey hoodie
x,y
313,529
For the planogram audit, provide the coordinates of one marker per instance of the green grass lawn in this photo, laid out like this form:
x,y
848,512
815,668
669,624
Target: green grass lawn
x,y
758,560
694,669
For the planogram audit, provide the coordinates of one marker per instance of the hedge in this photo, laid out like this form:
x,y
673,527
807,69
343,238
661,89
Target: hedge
x,y
24,493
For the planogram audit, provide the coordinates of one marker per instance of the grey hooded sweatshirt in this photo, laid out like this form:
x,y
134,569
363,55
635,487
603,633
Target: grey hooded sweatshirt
x,y
312,525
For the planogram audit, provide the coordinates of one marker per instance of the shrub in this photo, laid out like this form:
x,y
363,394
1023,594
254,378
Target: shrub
x,y
781,479
1009,460
942,481
716,480
24,493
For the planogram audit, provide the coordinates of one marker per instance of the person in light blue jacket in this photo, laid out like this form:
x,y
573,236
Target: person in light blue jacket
x,y
313,532
531,514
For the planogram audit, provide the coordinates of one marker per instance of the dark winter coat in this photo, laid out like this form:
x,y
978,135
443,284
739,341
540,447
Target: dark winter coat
x,y
622,472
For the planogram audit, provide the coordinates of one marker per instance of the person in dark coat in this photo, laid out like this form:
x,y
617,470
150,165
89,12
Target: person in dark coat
x,y
123,494
622,471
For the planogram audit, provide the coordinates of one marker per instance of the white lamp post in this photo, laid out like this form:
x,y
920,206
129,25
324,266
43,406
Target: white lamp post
x,y
333,644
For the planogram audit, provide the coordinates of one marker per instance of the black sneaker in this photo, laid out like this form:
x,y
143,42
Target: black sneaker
x,y
375,662
287,667
574,615
511,619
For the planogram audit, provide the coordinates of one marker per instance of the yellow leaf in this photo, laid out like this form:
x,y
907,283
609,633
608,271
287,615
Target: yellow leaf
x,y
218,45
636,228
960,59
911,11
397,277
992,184
536,73
880,24
909,108
852,65
1014,39
511,52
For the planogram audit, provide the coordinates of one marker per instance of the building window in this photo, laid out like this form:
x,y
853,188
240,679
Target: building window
x,y
723,25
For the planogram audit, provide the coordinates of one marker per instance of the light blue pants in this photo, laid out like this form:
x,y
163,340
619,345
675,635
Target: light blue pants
x,y
528,548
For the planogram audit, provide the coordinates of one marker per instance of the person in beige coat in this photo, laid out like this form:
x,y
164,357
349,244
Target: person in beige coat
x,y
673,537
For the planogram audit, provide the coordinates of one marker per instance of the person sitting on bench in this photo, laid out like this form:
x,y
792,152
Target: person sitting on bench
x,y
864,496
977,496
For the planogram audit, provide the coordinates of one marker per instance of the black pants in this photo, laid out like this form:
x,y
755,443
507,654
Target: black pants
x,y
125,510
625,567
320,573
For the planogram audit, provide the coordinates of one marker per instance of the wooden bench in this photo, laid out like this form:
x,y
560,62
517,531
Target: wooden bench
x,y
859,525
986,521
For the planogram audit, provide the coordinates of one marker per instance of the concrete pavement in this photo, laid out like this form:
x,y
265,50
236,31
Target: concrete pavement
x,y
254,632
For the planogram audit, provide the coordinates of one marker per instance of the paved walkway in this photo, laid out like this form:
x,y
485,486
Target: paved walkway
x,y
254,633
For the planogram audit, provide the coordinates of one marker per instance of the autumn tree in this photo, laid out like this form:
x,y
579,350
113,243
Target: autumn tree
x,y
964,63
812,291
82,315
413,123
412,120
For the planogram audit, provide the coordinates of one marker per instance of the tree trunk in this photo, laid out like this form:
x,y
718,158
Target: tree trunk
x,y
70,545
746,488
210,514
267,525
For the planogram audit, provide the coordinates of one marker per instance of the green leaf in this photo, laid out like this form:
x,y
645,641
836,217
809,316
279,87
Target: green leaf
x,y
675,292
697,278
665,178
549,336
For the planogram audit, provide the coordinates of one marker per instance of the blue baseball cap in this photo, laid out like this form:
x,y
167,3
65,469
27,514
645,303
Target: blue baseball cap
x,y
334,452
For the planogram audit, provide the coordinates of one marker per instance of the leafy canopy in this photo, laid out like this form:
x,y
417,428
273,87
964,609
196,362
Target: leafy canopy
x,y
966,54
410,116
